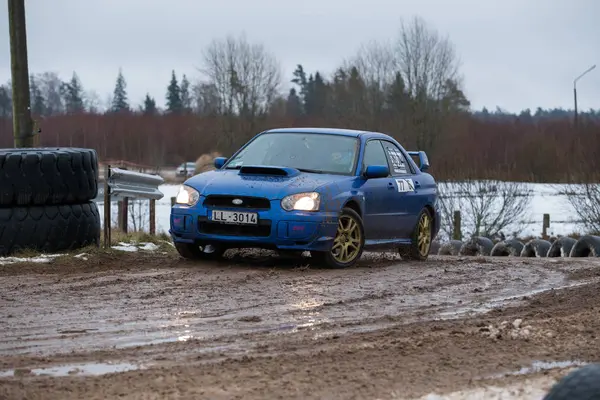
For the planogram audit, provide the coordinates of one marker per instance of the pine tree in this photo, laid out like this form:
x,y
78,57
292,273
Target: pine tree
x,y
293,106
149,105
72,92
186,98
119,101
173,95
38,102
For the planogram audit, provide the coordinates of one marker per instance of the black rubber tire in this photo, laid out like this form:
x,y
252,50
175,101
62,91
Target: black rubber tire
x,y
325,258
47,176
505,248
586,246
49,229
581,384
536,248
194,252
561,247
477,246
451,248
411,252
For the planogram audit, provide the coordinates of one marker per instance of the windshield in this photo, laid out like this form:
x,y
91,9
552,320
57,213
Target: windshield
x,y
308,152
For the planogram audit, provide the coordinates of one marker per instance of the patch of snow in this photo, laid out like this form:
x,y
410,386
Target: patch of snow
x,y
134,246
125,247
42,258
83,256
148,246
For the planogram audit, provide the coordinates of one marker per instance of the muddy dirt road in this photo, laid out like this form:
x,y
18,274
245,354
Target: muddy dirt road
x,y
152,327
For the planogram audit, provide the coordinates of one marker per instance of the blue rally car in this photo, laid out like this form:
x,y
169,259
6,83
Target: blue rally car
x,y
333,192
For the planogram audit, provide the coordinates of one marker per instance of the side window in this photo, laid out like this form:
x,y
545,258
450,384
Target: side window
x,y
399,164
374,154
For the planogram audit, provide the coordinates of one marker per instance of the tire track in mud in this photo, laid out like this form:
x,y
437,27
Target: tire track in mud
x,y
214,304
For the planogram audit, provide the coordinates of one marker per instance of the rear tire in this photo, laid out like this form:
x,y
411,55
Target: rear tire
x,y
192,251
348,243
420,245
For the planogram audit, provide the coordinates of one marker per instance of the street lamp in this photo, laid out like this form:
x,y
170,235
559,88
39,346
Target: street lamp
x,y
575,89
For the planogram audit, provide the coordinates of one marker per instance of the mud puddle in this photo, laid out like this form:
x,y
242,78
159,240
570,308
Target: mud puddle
x,y
85,369
121,310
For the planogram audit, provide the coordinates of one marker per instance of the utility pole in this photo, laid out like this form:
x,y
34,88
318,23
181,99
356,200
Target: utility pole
x,y
22,123
575,92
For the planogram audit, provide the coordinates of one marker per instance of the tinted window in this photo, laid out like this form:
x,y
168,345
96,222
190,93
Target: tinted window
x,y
305,151
374,154
397,159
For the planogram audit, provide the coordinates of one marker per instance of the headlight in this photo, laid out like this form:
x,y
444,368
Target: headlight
x,y
301,202
187,196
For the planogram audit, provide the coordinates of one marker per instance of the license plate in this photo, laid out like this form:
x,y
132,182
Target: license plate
x,y
234,217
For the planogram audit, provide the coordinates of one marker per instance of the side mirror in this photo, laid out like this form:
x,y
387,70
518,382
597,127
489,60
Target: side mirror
x,y
377,171
219,162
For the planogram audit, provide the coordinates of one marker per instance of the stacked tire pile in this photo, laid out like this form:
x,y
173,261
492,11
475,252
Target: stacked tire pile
x,y
46,199
586,246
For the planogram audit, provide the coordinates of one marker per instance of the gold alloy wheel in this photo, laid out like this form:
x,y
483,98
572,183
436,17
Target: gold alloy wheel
x,y
346,244
424,236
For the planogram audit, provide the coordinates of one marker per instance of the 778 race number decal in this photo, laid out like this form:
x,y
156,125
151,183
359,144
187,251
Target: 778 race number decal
x,y
405,185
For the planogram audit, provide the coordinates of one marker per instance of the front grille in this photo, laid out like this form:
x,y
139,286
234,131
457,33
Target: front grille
x,y
248,202
262,229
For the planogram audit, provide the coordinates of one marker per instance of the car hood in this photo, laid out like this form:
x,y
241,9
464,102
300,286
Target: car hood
x,y
272,187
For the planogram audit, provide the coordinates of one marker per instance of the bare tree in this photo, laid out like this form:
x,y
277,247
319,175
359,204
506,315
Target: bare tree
x,y
376,63
429,67
92,101
488,208
426,60
50,86
584,198
246,76
206,99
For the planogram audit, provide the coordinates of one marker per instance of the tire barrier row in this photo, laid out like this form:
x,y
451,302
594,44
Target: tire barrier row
x,y
586,246
46,199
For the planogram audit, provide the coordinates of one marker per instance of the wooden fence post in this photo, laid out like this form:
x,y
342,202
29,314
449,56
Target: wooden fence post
x,y
107,213
545,226
152,217
123,214
456,230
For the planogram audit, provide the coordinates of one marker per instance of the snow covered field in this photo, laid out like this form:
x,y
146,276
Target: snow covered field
x,y
546,199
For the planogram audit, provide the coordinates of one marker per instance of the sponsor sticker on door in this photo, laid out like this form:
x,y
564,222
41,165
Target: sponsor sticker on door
x,y
405,185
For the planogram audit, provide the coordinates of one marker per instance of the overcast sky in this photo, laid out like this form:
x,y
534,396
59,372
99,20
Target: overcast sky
x,y
515,53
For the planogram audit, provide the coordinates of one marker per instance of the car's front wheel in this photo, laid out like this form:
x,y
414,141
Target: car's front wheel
x,y
348,243
421,238
195,252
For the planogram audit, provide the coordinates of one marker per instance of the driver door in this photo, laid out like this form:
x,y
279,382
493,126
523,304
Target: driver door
x,y
378,218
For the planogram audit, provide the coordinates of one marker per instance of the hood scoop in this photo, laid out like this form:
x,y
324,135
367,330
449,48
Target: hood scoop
x,y
272,171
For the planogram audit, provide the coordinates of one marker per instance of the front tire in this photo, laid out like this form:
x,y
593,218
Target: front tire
x,y
192,251
418,250
348,243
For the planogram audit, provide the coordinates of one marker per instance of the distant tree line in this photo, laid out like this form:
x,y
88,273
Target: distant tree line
x,y
409,87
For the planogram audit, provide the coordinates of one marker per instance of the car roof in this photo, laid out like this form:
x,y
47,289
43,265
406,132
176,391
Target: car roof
x,y
327,131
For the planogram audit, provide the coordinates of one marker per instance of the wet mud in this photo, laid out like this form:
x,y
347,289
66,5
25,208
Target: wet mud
x,y
139,326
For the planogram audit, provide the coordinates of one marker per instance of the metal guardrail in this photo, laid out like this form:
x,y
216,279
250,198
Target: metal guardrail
x,y
123,184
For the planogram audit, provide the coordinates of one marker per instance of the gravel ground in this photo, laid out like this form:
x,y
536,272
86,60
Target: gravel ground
x,y
150,326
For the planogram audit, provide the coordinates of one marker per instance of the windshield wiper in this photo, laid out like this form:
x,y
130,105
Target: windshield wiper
x,y
312,171
236,167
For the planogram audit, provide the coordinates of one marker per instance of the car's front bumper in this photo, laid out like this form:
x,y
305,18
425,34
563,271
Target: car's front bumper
x,y
276,228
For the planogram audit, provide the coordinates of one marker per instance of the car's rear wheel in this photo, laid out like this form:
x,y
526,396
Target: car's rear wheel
x,y
195,252
348,243
421,238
